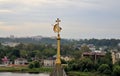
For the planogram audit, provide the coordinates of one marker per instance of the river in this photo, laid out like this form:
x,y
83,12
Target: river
x,y
21,74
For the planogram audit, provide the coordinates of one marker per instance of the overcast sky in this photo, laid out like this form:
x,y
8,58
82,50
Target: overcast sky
x,y
79,18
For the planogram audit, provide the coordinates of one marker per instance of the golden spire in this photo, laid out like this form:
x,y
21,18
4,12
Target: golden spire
x,y
57,29
58,70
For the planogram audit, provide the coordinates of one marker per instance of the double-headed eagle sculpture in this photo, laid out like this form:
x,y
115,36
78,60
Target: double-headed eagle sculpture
x,y
57,28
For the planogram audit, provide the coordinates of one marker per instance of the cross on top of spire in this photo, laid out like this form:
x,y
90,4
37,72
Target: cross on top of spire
x,y
58,20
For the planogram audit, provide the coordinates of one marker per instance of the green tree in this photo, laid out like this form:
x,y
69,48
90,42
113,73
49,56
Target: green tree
x,y
37,53
85,48
36,64
86,63
77,54
107,59
23,53
116,70
31,65
49,52
104,68
16,52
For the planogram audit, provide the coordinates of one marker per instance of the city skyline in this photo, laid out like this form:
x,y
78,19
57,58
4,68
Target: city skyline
x,y
79,18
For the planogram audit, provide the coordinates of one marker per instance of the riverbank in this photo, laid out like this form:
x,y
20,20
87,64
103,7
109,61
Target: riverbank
x,y
48,70
26,69
75,73
22,74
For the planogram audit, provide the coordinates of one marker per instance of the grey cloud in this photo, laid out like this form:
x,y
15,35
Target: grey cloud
x,y
86,16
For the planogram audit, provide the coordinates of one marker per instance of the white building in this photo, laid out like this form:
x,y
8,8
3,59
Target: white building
x,y
20,61
11,44
91,47
49,62
115,56
37,38
67,58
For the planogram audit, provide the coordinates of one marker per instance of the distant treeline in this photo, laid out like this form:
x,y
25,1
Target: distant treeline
x,y
47,40
101,42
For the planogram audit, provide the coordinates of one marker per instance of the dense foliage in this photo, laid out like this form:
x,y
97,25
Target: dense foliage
x,y
34,64
46,47
104,68
116,70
